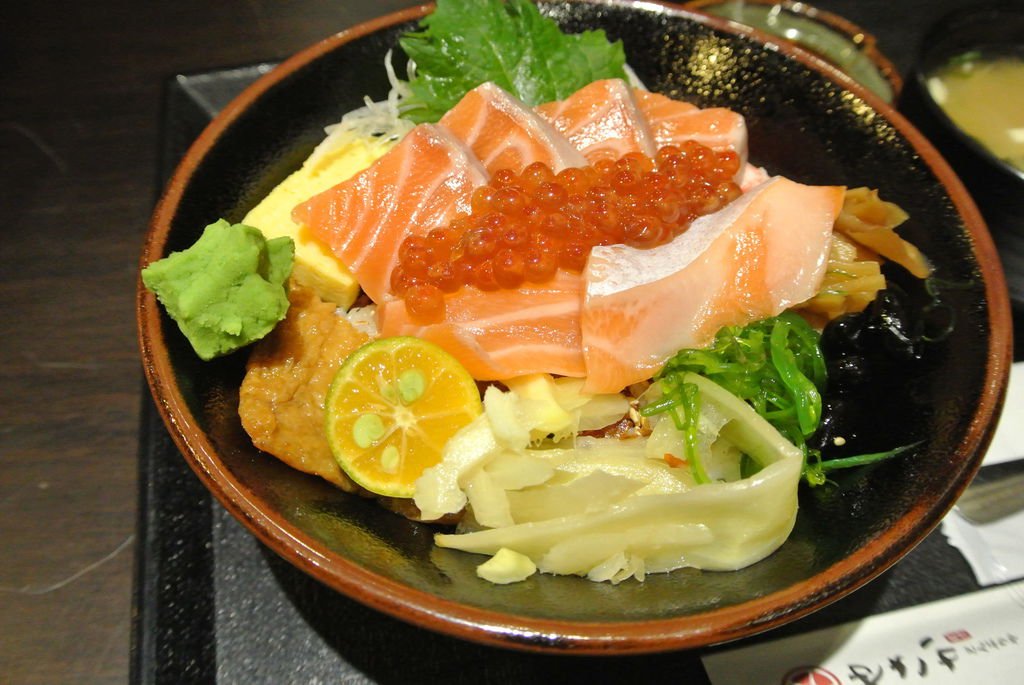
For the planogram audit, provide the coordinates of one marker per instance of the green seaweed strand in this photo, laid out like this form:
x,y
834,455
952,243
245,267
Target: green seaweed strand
x,y
690,396
805,396
777,367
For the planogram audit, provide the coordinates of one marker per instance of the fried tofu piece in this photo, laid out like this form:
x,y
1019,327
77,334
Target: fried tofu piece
x,y
281,401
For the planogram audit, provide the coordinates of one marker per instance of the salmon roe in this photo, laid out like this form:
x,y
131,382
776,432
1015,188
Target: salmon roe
x,y
524,228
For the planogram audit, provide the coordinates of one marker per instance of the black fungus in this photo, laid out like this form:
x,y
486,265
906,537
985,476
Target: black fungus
x,y
869,349
865,345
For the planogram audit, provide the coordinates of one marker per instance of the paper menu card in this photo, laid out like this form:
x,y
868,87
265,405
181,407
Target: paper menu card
x,y
974,638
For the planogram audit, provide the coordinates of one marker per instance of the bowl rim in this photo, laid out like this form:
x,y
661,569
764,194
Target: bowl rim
x,y
491,627
865,42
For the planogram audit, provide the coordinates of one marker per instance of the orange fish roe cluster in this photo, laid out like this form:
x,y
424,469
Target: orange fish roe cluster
x,y
525,227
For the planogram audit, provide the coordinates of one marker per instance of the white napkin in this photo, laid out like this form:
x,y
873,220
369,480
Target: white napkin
x,y
995,550
973,638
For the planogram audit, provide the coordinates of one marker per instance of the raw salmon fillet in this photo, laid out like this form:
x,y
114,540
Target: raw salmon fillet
x,y
506,134
420,184
602,120
672,121
504,333
756,257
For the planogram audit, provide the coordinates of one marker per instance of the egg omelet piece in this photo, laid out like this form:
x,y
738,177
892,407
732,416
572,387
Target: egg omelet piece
x,y
342,155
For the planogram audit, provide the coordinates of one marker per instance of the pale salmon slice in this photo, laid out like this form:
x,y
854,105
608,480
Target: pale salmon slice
x,y
673,121
756,257
602,120
420,184
504,333
506,134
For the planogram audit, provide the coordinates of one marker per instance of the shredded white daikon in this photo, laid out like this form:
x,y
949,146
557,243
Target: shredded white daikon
x,y
375,121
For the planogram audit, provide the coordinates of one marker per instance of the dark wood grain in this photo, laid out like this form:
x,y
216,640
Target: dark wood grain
x,y
79,116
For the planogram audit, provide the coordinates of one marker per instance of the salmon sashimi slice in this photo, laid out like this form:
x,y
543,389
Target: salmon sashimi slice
x,y
602,120
759,255
504,333
420,184
506,134
672,122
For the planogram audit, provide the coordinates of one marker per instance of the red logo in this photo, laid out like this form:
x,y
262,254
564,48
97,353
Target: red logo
x,y
810,675
957,636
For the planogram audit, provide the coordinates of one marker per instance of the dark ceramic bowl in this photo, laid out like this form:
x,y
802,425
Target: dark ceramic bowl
x,y
806,121
996,185
835,39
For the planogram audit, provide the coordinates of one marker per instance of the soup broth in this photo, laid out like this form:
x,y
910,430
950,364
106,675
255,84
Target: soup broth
x,y
983,93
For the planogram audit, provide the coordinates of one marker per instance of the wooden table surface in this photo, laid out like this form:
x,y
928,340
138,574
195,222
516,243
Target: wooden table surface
x,y
79,116
79,128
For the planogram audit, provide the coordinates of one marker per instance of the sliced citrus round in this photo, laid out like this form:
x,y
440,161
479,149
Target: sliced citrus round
x,y
391,408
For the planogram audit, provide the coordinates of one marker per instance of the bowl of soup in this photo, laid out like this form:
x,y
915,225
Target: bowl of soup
x,y
967,96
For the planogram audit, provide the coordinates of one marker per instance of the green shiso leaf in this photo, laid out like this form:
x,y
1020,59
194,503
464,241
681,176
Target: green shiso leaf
x,y
464,43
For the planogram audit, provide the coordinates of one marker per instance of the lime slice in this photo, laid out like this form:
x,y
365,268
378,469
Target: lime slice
x,y
391,408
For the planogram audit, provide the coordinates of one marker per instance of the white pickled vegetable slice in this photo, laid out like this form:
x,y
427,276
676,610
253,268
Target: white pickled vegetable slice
x,y
508,418
745,428
489,502
438,490
581,554
601,411
745,521
723,461
592,411
515,471
593,492
506,567
569,392
610,568
539,409
607,510
626,458
618,568
664,439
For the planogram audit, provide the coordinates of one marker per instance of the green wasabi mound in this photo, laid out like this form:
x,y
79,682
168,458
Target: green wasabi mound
x,y
227,290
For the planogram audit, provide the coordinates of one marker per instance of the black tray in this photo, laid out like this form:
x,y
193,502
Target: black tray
x,y
214,605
